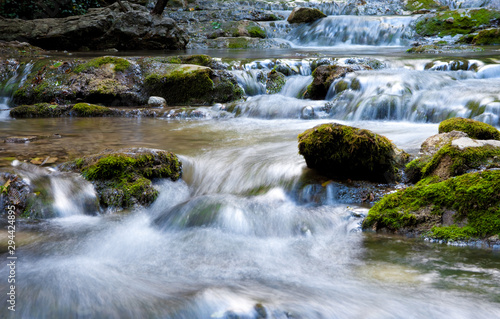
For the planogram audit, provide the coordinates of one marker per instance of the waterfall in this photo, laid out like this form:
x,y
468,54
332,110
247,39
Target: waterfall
x,y
15,79
346,30
59,194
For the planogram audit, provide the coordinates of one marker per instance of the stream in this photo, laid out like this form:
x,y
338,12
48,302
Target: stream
x,y
243,234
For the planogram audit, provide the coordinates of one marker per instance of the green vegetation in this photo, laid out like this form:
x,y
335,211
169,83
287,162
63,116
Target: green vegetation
x,y
475,129
341,151
124,178
275,82
119,64
38,110
182,85
255,31
473,199
197,59
414,168
455,22
85,109
413,5
487,37
238,43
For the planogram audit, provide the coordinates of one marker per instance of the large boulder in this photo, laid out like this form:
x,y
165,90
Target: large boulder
x,y
324,76
99,29
434,143
122,178
304,15
467,206
474,129
340,151
182,84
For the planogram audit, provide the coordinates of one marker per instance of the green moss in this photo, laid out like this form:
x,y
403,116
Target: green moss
x,y
474,198
413,169
197,59
455,22
423,49
120,64
460,161
475,129
238,43
341,151
123,179
341,86
38,110
85,109
487,37
452,232
255,31
181,86
413,5
355,85
275,82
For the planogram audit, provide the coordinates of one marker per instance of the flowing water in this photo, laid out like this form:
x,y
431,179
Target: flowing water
x,y
249,231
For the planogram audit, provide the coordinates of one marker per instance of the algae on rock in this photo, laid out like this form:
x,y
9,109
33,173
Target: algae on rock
x,y
474,129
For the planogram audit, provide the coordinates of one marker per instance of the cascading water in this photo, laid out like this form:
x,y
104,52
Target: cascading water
x,y
16,78
346,30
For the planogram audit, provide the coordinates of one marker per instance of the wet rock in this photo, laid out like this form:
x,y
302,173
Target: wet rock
x,y
156,101
122,178
99,29
487,37
460,208
238,29
414,5
246,43
20,139
340,151
324,76
14,191
275,82
19,49
474,129
39,110
190,84
432,144
304,15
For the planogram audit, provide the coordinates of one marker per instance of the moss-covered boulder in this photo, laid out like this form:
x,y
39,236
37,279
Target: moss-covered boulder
x,y
457,208
196,59
346,152
434,143
90,110
107,80
487,37
275,82
324,76
123,178
39,110
243,28
182,84
460,156
304,15
474,129
455,22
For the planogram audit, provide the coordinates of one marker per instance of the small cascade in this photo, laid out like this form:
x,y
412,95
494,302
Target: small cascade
x,y
417,96
252,81
278,106
59,194
16,78
346,30
296,85
4,108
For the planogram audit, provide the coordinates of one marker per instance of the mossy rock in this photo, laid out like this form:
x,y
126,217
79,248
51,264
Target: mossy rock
x,y
340,151
324,76
90,110
304,15
474,129
455,22
242,28
275,82
487,37
118,64
123,178
196,59
39,110
457,208
413,5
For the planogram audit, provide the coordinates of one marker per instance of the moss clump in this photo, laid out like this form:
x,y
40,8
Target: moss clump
x,y
196,59
85,109
341,151
475,129
413,169
473,201
120,64
452,161
182,85
341,86
123,178
275,82
487,37
256,31
39,110
238,43
455,22
413,5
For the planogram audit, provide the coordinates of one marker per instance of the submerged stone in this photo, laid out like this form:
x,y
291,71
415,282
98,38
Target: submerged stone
x,y
122,178
340,151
